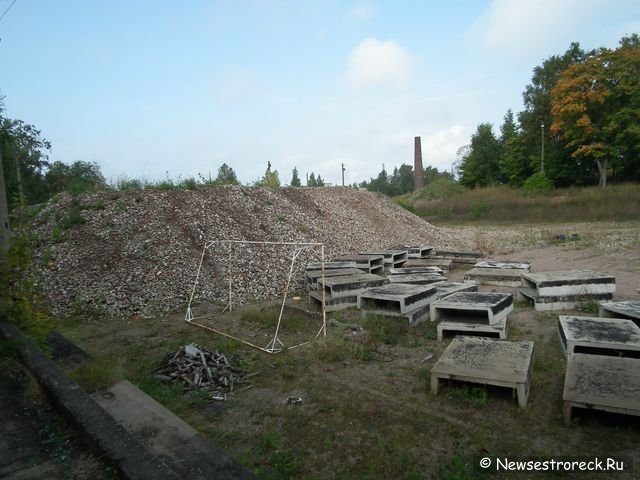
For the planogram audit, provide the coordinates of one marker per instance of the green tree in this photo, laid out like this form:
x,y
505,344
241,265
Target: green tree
x,y
596,109
226,176
311,181
76,178
560,167
25,156
295,179
479,167
513,164
271,179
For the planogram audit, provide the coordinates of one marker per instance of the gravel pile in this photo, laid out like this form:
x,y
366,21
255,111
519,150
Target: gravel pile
x,y
137,252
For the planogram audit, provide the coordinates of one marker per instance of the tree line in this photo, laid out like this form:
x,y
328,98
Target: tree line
x,y
580,124
401,180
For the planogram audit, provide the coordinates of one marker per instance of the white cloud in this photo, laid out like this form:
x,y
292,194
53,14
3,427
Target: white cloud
x,y
374,62
361,11
525,27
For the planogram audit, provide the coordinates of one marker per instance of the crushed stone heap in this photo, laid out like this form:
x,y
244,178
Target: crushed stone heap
x,y
137,252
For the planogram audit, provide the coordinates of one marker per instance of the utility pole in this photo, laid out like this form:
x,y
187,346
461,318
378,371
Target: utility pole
x,y
542,151
4,211
343,174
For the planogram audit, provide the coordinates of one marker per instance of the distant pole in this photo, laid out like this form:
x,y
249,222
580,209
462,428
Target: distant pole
x,y
418,171
542,151
4,211
343,174
307,179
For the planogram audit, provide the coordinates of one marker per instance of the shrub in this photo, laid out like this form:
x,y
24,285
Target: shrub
x,y
537,183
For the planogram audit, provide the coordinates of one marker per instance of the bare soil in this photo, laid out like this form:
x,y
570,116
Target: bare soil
x,y
366,409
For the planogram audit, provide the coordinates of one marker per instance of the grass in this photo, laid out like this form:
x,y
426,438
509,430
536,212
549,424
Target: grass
x,y
507,205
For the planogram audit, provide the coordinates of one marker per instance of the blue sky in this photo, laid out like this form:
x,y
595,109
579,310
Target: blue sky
x,y
149,87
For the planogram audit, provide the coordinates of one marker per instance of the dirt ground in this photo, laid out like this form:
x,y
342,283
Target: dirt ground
x,y
366,409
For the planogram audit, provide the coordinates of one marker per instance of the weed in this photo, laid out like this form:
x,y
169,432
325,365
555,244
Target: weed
x,y
73,218
268,317
95,374
56,234
590,306
475,396
281,218
385,330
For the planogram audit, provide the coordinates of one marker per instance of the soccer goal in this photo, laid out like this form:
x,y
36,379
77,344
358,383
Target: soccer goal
x,y
229,250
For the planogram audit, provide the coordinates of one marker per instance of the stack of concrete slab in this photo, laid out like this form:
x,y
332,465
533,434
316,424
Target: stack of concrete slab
x,y
442,264
566,289
341,292
417,275
449,288
398,300
414,251
470,256
599,336
312,276
629,309
501,274
474,312
597,382
366,263
392,258
488,362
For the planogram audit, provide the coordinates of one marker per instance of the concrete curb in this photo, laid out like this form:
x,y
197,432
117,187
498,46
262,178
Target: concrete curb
x,y
130,456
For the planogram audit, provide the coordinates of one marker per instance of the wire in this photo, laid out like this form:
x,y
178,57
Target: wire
x,y
8,8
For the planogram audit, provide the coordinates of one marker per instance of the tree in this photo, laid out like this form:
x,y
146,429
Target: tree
x,y
25,156
560,167
76,178
295,179
596,109
226,176
270,179
513,164
479,167
311,181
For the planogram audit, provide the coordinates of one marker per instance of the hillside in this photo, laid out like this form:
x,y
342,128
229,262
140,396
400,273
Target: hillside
x,y
137,252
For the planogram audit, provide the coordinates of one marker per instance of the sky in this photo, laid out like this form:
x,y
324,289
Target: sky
x,y
150,89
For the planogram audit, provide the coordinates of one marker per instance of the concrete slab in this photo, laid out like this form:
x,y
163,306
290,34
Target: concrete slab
x,y
627,309
498,330
418,278
509,277
330,265
504,264
473,307
469,256
312,276
599,336
413,317
565,289
165,435
366,263
449,288
333,304
444,265
405,270
414,251
396,297
392,258
599,382
350,285
486,361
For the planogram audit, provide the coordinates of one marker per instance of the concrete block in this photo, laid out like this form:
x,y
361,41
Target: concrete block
x,y
473,307
441,263
418,278
312,276
396,298
405,270
350,285
509,277
601,383
457,256
392,258
414,251
599,336
504,264
629,309
366,263
486,361
333,304
497,330
414,317
449,288
330,265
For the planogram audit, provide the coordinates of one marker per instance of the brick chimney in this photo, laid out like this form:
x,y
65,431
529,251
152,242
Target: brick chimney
x,y
418,172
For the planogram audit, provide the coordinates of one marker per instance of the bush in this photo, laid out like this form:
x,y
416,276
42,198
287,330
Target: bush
x,y
537,183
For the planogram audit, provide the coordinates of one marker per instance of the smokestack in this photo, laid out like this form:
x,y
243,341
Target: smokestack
x,y
418,172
